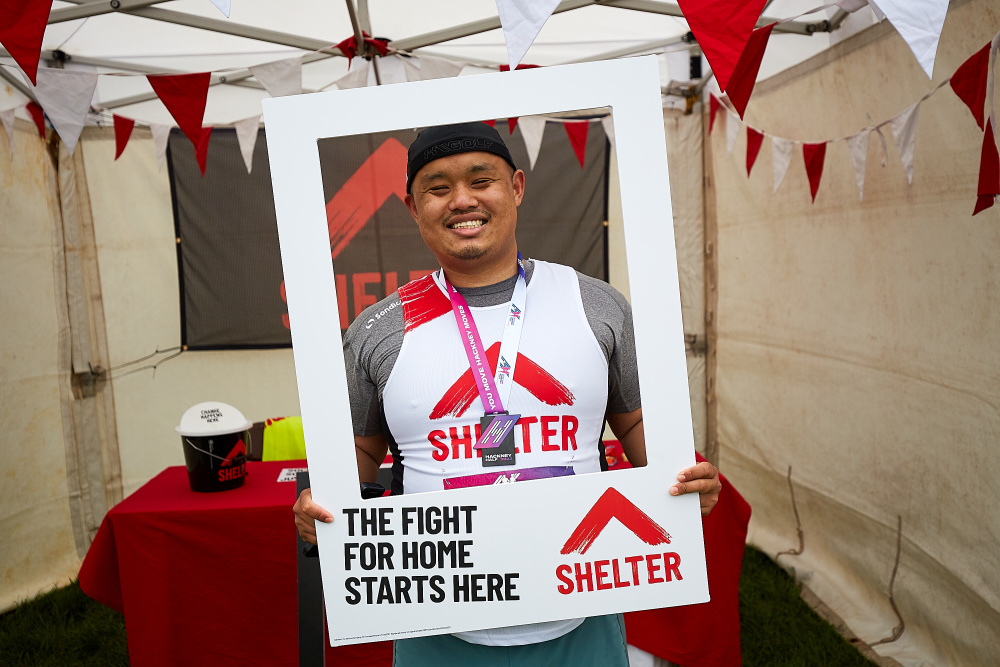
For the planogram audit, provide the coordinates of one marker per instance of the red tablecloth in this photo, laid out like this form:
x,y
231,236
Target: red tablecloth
x,y
207,578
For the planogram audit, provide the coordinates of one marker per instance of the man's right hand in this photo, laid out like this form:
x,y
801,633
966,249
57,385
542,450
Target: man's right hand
x,y
307,513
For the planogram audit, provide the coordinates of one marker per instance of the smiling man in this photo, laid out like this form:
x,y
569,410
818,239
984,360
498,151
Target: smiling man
x,y
551,354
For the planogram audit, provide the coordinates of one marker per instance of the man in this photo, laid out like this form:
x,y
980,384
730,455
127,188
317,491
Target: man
x,y
561,354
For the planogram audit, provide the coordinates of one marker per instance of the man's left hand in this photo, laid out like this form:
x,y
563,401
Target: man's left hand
x,y
702,479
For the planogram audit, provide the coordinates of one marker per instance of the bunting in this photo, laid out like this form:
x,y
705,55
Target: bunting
x,y
7,118
22,26
522,20
919,23
577,132
185,96
223,5
857,146
969,83
201,149
424,68
989,172
38,116
123,130
355,78
814,156
281,77
745,74
608,124
904,133
722,28
781,151
754,141
532,129
161,135
65,95
246,134
732,130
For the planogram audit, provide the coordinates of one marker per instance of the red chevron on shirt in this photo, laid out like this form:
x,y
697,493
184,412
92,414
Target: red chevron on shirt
x,y
539,383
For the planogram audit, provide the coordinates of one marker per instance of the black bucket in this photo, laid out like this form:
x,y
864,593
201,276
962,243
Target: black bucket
x,y
216,462
215,437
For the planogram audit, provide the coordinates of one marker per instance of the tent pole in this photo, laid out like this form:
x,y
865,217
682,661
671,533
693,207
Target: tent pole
x,y
359,40
87,9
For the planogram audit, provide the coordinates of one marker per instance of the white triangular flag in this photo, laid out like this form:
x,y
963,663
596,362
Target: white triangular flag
x,y
522,20
858,148
390,70
161,135
281,77
223,6
904,133
879,14
781,152
852,5
609,129
356,77
432,67
65,95
532,128
246,134
919,23
7,117
732,130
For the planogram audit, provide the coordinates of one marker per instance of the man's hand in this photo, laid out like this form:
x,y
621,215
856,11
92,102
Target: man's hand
x,y
702,479
307,513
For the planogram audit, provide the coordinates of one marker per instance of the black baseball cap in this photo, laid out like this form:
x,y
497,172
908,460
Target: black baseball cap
x,y
444,140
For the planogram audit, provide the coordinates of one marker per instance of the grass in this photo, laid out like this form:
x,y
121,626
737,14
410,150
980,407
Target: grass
x,y
778,628
65,628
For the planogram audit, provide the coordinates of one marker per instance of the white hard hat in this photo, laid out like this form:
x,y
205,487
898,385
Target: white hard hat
x,y
212,418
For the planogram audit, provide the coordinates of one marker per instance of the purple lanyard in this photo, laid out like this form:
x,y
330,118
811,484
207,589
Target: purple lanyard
x,y
474,350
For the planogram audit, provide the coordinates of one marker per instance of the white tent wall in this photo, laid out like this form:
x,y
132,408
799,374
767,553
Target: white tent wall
x,y
137,251
857,345
39,547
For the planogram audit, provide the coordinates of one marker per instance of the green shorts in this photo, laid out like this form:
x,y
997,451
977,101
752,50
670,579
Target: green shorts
x,y
598,641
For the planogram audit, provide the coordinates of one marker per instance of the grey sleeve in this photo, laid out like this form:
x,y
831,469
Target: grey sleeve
x,y
371,346
610,317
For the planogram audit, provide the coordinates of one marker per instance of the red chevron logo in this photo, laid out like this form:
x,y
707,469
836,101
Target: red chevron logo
x,y
538,381
377,179
613,505
238,448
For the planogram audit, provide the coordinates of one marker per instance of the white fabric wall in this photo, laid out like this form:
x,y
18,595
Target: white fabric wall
x,y
858,344
37,543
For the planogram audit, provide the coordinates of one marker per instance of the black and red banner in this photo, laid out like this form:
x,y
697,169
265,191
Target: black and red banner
x,y
232,294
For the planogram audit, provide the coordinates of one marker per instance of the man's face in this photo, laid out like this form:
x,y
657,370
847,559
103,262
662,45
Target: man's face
x,y
466,206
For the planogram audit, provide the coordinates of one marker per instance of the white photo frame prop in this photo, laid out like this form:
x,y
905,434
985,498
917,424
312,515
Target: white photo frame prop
x,y
629,544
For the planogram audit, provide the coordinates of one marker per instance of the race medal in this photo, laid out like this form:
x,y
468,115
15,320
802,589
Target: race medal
x,y
497,426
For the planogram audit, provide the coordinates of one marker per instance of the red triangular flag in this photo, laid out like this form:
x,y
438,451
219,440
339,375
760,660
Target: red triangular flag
x,y
577,131
754,140
506,68
184,96
491,123
713,107
722,28
38,116
22,26
745,75
969,82
989,172
123,130
201,152
511,124
814,154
